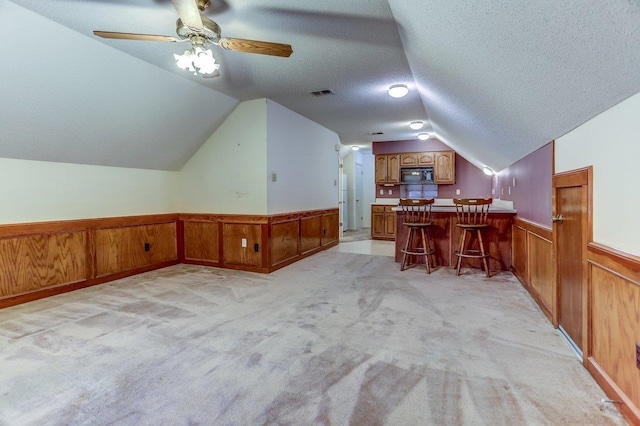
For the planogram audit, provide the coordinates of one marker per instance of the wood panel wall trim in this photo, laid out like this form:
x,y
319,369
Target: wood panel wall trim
x,y
578,177
534,228
626,407
53,227
618,262
46,258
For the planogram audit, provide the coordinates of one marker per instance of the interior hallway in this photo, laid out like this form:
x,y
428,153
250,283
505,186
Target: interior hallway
x,y
337,338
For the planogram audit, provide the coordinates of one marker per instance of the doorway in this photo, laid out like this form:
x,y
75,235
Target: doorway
x,y
572,229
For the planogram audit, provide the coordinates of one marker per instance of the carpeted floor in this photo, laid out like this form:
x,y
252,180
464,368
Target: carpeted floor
x,y
337,338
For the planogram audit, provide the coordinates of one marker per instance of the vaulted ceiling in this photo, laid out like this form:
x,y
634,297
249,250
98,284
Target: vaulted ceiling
x,y
494,80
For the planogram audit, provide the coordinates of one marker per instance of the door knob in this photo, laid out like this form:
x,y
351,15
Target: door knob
x,y
558,218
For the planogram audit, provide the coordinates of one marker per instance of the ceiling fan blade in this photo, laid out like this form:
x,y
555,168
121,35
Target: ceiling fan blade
x,y
254,46
132,36
188,13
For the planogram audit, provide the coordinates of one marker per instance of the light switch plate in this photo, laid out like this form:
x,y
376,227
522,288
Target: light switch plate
x,y
244,242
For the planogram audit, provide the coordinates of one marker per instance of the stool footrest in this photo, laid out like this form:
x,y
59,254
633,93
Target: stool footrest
x,y
418,251
474,254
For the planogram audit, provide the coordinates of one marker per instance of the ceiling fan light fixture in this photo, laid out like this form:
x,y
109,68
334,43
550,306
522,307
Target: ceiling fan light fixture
x,y
198,60
423,136
415,125
398,90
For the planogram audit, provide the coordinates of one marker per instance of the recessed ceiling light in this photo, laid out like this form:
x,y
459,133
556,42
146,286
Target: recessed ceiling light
x,y
398,90
415,125
423,136
487,171
355,148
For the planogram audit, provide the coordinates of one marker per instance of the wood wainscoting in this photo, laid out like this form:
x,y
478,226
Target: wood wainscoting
x,y
256,243
533,263
43,259
614,313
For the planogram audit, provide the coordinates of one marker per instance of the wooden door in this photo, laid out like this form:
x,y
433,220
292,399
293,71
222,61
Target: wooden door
x,y
377,221
572,232
426,159
389,223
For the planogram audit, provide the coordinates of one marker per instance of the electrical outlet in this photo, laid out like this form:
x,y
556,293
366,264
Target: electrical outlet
x,y
509,190
390,191
147,247
274,177
244,242
382,192
457,192
638,356
256,247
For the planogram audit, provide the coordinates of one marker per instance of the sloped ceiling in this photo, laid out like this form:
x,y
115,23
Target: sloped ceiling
x,y
495,80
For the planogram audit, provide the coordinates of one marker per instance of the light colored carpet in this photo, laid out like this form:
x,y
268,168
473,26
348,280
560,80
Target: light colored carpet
x,y
336,338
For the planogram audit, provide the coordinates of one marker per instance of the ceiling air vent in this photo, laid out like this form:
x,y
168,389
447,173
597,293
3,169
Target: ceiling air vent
x,y
322,92
377,133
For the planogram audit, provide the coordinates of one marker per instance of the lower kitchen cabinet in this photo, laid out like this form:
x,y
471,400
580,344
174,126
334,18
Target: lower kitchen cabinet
x,y
383,222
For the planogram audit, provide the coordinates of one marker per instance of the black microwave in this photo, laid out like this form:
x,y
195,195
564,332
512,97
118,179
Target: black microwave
x,y
416,175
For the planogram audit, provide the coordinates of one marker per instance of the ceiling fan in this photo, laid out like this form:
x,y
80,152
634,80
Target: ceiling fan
x,y
202,32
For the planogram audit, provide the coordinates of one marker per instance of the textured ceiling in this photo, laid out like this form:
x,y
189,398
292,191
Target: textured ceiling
x,y
496,79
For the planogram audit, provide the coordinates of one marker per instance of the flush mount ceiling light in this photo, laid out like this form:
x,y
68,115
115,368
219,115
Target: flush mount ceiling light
x,y
398,90
355,148
487,171
415,125
423,136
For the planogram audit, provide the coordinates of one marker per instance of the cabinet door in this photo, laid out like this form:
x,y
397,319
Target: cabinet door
x,y
408,159
390,224
381,168
445,167
377,224
393,168
425,159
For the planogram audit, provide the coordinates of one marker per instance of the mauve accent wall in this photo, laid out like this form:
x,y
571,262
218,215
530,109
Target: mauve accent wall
x,y
470,180
531,194
415,145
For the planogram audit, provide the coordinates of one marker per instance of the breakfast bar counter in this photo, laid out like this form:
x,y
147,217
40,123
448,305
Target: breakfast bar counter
x,y
445,237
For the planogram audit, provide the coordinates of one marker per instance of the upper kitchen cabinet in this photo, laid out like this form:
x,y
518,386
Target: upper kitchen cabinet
x,y
388,169
445,167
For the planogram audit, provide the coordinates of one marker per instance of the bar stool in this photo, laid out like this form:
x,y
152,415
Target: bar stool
x,y
417,217
472,215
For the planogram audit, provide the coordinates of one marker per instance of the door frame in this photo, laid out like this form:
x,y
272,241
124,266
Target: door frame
x,y
583,178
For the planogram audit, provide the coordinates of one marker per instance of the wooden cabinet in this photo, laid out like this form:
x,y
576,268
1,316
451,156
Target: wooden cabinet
x,y
417,159
383,222
409,159
388,169
425,158
443,162
445,167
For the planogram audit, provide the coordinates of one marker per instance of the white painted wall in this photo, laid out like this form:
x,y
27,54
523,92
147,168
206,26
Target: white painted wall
x,y
302,155
368,186
611,143
228,174
39,191
349,168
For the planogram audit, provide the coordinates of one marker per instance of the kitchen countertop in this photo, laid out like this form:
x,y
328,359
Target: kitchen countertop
x,y
446,205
